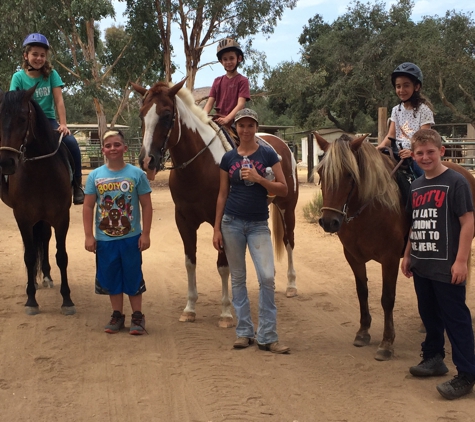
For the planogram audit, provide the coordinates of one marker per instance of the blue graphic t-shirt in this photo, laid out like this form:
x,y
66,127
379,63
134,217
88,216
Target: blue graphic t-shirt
x,y
117,204
248,202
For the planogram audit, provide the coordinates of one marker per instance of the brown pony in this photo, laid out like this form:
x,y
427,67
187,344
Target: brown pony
x,y
362,203
36,184
172,122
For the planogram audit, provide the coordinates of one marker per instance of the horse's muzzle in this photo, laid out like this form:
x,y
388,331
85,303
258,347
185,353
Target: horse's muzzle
x,y
8,165
331,224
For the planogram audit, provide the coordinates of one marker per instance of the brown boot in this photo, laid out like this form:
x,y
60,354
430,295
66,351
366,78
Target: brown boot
x,y
274,347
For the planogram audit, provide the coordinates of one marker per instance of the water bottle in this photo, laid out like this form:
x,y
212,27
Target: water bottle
x,y
246,163
269,175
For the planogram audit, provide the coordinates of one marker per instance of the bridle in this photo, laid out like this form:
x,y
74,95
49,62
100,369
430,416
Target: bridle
x,y
344,211
167,138
22,150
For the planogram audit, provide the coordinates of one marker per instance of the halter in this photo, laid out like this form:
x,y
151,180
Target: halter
x,y
167,138
22,150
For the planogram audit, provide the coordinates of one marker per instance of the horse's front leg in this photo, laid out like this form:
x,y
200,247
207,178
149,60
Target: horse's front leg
x,y
67,308
390,271
226,318
30,257
359,270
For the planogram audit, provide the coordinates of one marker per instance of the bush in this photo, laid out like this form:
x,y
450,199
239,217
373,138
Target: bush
x,y
312,211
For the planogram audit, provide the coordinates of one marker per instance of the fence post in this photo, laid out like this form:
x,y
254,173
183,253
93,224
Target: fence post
x,y
310,163
382,123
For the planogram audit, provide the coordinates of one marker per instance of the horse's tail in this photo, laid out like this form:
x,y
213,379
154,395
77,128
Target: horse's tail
x,y
277,231
38,236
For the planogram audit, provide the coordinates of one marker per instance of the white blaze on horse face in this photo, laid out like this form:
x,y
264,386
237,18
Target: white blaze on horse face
x,y
207,133
150,121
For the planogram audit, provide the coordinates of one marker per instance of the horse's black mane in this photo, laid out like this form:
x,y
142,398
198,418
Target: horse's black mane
x,y
42,129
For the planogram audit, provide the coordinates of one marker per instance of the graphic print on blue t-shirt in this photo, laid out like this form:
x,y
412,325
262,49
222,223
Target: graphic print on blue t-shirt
x,y
116,206
430,224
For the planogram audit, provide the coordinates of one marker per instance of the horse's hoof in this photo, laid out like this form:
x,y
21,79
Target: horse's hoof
x,y
383,354
47,282
187,317
32,310
361,340
226,322
291,292
68,310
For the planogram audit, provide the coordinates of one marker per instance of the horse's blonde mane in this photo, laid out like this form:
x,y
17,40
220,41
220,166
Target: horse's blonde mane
x,y
187,97
367,167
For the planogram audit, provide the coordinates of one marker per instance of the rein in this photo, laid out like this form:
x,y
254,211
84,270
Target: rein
x,y
344,211
22,150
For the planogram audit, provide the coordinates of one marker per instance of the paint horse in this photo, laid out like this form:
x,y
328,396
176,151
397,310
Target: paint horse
x,y
362,203
172,122
36,184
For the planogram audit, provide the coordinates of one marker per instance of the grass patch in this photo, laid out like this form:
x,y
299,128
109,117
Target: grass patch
x,y
313,210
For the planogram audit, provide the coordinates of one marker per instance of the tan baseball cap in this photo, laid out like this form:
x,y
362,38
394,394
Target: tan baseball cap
x,y
246,112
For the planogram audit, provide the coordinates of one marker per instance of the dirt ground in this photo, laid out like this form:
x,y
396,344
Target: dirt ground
x,y
58,368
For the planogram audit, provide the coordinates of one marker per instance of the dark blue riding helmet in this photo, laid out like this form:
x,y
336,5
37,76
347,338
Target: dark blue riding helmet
x,y
407,69
36,39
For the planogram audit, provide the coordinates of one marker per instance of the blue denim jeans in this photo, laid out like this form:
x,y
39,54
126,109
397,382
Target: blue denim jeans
x,y
237,234
72,144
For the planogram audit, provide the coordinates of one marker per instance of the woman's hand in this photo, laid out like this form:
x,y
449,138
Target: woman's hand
x,y
218,241
405,153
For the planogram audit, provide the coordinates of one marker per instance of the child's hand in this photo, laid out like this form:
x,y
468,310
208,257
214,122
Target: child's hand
x,y
250,174
64,129
224,121
405,267
405,153
90,244
459,272
144,242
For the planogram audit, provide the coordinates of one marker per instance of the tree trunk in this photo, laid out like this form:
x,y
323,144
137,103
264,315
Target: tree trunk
x,y
101,118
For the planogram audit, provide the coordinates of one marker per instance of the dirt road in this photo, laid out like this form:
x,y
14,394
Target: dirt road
x,y
57,368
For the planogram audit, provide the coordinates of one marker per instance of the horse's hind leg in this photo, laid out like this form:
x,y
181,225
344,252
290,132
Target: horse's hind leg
x,y
289,242
45,265
67,308
226,318
359,270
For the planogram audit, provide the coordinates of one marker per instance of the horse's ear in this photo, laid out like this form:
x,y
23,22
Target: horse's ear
x,y
322,143
140,89
29,93
356,143
175,88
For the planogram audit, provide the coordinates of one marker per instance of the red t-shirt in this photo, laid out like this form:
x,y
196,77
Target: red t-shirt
x,y
226,92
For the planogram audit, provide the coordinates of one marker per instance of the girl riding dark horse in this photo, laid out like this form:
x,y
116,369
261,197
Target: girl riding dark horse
x,y
36,184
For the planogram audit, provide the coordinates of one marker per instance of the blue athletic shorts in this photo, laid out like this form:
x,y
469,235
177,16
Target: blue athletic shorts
x,y
119,267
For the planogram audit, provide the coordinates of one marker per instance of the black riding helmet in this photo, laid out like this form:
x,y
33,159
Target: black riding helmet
x,y
407,69
228,44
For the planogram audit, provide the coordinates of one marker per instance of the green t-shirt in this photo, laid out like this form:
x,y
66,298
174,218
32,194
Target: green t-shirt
x,y
44,91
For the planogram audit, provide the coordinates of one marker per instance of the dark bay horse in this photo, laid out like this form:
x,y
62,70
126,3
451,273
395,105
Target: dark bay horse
x,y
362,203
36,184
172,122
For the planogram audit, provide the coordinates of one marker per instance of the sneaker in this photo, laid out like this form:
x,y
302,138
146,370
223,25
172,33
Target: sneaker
x,y
429,367
137,325
274,347
243,342
116,323
457,387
